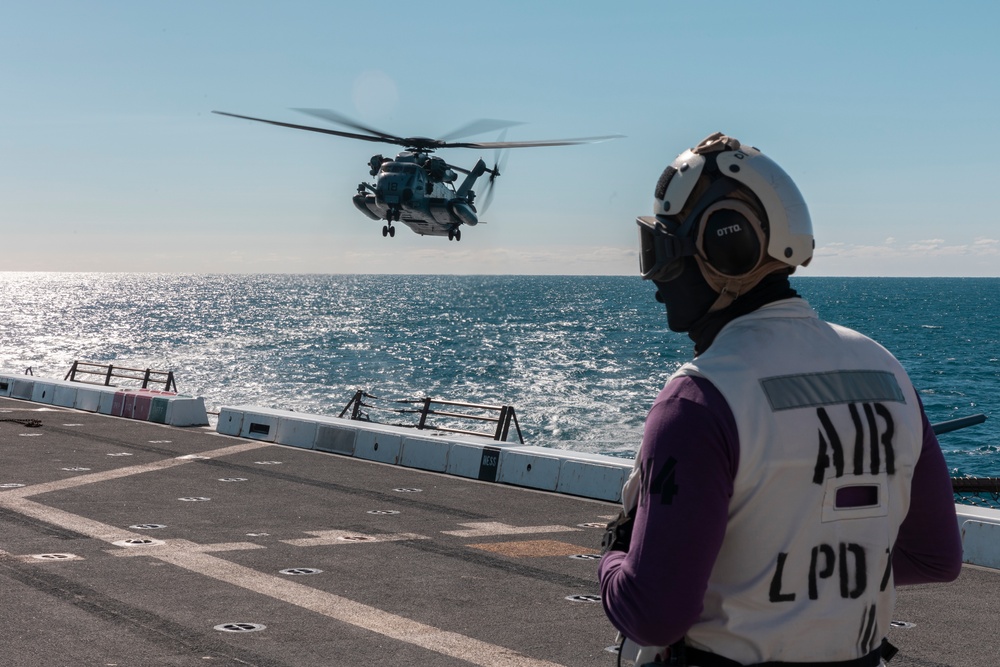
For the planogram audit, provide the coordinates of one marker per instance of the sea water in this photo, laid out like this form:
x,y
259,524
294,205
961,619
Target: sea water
x,y
580,358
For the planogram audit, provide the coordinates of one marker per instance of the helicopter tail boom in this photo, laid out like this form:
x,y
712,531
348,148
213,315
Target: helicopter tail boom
x,y
470,180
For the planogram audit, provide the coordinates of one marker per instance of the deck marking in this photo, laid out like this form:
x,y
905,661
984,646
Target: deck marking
x,y
49,558
530,548
327,537
354,613
184,546
193,557
59,485
56,517
492,528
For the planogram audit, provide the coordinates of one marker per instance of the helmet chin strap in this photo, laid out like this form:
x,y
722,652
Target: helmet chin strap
x,y
726,298
731,288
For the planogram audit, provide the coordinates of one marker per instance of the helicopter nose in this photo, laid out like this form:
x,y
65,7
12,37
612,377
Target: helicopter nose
x,y
387,193
388,190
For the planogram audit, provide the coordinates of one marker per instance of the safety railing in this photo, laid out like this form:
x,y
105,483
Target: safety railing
x,y
437,414
109,372
977,491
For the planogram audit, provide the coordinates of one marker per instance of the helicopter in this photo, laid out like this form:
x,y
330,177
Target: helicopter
x,y
416,187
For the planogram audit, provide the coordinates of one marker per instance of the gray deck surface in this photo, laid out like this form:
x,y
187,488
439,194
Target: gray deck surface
x,y
389,566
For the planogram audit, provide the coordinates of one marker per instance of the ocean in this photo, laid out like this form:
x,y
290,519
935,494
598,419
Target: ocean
x,y
580,358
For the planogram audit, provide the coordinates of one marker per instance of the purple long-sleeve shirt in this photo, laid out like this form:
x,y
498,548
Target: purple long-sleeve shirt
x,y
654,592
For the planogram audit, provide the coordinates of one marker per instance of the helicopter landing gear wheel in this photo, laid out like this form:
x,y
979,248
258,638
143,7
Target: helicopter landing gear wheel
x,y
451,234
392,232
385,230
458,234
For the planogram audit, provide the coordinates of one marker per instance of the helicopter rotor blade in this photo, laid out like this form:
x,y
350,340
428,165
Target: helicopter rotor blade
x,y
422,144
478,127
323,130
334,117
469,129
532,144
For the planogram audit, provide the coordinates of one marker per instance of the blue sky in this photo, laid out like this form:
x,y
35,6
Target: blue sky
x,y
886,115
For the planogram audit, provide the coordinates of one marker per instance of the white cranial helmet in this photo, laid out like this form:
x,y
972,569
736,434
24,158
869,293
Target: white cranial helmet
x,y
732,208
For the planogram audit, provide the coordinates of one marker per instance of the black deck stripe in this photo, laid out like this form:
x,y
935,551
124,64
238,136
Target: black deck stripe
x,y
147,625
44,527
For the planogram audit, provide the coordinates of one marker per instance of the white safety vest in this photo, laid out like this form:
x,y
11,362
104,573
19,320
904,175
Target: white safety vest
x,y
803,573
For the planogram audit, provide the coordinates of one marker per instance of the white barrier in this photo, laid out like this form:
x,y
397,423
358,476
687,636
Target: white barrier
x,y
979,543
377,445
260,423
425,453
296,433
22,389
230,421
534,467
179,411
980,528
88,398
335,439
107,403
64,396
474,461
43,391
141,404
587,475
581,473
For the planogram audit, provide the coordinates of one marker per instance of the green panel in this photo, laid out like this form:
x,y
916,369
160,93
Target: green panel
x,y
158,411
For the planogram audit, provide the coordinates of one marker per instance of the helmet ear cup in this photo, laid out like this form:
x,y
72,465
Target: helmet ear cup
x,y
731,239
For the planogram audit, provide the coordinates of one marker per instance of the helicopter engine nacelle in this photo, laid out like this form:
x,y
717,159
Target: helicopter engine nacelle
x,y
375,163
464,212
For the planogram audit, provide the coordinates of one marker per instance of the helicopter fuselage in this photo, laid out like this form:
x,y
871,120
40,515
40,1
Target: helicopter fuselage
x,y
418,190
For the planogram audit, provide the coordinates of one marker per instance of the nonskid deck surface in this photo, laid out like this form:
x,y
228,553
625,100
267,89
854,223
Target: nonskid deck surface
x,y
130,543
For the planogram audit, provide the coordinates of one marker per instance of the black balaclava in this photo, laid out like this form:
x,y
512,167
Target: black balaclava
x,y
688,297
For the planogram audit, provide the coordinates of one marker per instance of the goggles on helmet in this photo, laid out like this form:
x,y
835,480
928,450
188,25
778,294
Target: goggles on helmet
x,y
663,245
664,241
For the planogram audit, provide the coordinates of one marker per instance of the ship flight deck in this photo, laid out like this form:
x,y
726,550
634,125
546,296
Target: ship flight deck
x,y
126,542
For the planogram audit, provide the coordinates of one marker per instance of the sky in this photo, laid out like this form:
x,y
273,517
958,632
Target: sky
x,y
885,114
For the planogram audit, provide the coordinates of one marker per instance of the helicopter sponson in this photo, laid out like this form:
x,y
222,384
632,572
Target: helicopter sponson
x,y
447,214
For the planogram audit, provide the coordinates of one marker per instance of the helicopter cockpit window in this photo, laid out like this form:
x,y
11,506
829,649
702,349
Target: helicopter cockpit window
x,y
401,169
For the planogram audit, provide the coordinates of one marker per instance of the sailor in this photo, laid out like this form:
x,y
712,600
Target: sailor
x,y
788,479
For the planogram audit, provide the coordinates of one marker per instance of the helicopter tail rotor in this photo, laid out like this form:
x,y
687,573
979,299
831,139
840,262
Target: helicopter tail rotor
x,y
499,165
489,189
